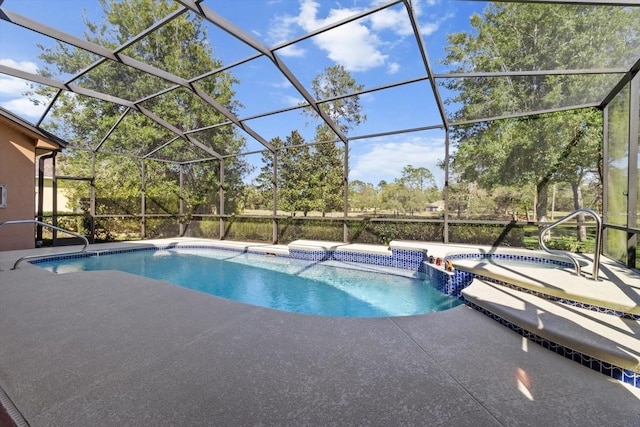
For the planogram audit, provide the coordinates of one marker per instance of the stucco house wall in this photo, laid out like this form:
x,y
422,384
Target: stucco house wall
x,y
17,156
20,142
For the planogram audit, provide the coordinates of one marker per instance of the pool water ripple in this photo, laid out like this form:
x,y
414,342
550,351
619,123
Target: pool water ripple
x,y
281,283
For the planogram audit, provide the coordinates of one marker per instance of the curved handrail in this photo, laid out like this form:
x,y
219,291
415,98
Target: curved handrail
x,y
596,255
44,224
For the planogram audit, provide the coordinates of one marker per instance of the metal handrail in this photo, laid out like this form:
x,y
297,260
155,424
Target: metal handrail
x,y
596,255
44,224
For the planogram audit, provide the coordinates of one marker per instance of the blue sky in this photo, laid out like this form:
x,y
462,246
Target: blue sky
x,y
376,50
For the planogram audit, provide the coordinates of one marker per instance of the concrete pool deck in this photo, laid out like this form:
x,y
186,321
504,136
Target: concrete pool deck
x,y
109,348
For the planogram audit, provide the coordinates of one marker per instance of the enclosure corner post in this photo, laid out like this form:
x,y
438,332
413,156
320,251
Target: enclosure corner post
x,y
181,227
345,209
274,224
143,202
221,193
445,228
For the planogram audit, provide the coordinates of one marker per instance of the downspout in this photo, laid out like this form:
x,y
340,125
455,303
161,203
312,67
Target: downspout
x,y
40,212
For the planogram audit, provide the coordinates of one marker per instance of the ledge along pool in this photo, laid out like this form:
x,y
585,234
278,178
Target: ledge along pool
x,y
326,288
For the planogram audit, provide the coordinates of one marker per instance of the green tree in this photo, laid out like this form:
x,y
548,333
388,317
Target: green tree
x,y
181,48
394,197
419,178
255,199
334,82
326,172
512,202
328,157
544,149
294,182
362,196
421,185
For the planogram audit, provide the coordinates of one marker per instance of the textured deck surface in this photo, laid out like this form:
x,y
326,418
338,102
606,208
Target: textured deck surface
x,y
108,348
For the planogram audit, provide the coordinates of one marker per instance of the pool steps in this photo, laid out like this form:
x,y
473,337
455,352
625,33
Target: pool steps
x,y
607,343
560,283
594,323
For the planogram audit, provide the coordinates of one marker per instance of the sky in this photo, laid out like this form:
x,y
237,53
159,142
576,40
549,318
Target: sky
x,y
376,50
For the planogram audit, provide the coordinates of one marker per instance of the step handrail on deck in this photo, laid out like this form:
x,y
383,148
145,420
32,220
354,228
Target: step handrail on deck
x,y
596,255
44,224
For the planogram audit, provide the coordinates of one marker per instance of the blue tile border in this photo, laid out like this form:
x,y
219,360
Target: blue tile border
x,y
536,260
511,257
561,300
625,375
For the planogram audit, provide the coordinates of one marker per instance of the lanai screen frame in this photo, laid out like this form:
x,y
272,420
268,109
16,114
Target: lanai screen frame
x,y
628,76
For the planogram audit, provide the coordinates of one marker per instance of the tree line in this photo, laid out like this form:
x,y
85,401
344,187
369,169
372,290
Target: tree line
x,y
304,188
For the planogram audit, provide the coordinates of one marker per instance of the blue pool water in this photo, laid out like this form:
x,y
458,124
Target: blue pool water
x,y
280,283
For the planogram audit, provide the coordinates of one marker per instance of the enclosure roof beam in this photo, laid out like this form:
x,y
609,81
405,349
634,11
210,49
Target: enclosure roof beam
x,y
635,68
152,152
525,73
426,63
229,115
89,46
526,114
113,128
577,2
124,59
225,25
104,97
60,85
25,75
48,107
246,38
176,131
335,24
130,42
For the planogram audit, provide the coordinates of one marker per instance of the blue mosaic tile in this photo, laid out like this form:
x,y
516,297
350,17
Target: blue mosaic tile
x,y
63,257
510,257
407,259
565,301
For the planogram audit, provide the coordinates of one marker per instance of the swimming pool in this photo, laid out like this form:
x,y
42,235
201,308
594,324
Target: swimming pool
x,y
326,288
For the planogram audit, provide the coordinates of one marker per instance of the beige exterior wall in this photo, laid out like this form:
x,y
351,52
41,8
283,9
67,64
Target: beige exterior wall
x,y
47,203
17,157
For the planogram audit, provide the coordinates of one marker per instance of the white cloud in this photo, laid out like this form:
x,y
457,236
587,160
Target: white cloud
x,y
429,28
292,51
393,68
12,86
356,45
284,83
425,26
359,53
353,45
386,160
281,29
27,66
12,91
392,19
290,101
24,107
